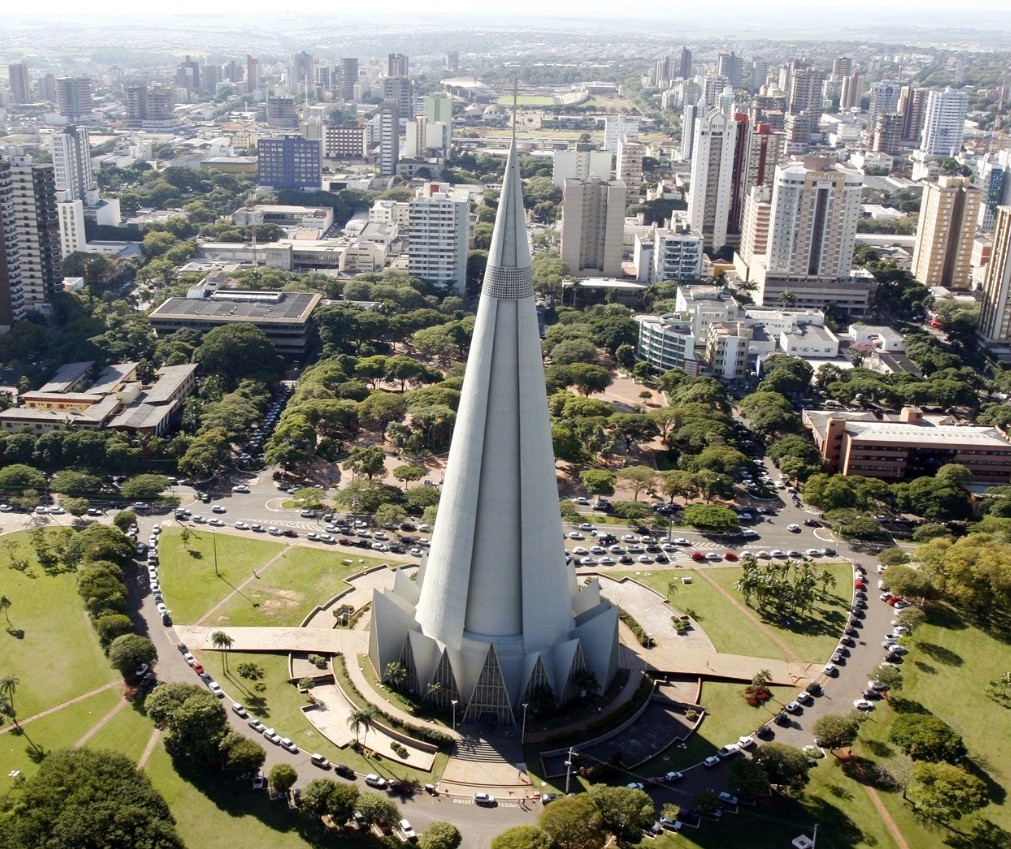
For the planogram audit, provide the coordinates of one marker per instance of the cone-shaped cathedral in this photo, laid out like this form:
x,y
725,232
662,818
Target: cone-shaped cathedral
x,y
495,619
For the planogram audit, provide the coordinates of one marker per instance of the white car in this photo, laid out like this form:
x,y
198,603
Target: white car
x,y
241,526
271,735
406,830
863,704
240,488
710,762
813,552
215,688
576,535
776,552
256,725
239,710
712,555
793,528
286,743
580,549
217,523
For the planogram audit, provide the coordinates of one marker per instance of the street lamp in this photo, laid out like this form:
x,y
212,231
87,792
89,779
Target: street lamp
x,y
453,703
523,733
568,771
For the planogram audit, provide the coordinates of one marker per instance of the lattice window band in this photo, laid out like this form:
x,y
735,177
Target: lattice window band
x,y
508,284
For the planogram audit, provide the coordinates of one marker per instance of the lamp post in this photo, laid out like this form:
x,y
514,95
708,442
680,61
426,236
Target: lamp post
x,y
523,733
568,771
453,703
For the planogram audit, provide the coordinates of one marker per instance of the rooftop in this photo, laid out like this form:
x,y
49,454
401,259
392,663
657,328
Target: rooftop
x,y
170,378
67,375
242,306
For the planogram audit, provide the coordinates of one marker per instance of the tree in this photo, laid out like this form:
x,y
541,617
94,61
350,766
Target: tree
x,y
362,719
710,517
836,730
71,482
784,766
747,777
324,796
407,474
195,728
222,642
112,625
907,581
5,606
887,675
769,413
282,778
237,351
638,478
573,823
368,460
589,379
129,651
623,811
926,738
598,481
124,520
911,618
17,478
86,797
942,792
440,835
523,837
241,754
8,687
374,807
143,487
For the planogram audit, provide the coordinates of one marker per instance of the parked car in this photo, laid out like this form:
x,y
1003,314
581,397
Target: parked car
x,y
485,800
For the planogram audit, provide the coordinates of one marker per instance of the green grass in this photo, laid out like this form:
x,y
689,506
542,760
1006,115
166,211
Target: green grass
x,y
59,656
59,730
528,100
188,578
287,592
128,732
722,622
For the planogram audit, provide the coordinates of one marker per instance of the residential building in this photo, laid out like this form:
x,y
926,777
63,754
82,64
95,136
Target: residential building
x,y
438,108
887,137
944,235
580,163
397,65
630,155
347,78
150,107
424,138
755,229
615,128
282,112
344,142
388,119
285,317
593,222
188,76
711,188
765,150
912,107
289,162
805,90
944,122
400,90
72,168
909,445
73,97
995,315
668,341
726,351
731,66
851,92
689,122
677,253
253,81
17,75
301,75
70,219
12,298
438,237
495,616
884,100
994,181
684,64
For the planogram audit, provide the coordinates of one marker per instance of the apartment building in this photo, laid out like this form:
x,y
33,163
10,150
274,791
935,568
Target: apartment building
x,y
944,236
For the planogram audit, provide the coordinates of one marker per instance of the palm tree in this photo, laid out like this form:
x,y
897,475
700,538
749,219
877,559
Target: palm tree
x,y
396,673
222,642
8,686
5,604
362,718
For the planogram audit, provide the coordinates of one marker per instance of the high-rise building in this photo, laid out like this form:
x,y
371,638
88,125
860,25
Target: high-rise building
x,y
731,66
593,226
765,150
614,128
397,65
388,120
344,143
73,172
424,138
495,614
689,122
21,90
912,107
995,314
712,87
31,209
805,90
47,88
438,237
628,169
188,75
685,64
253,81
994,170
580,163
842,66
348,77
944,236
944,122
453,60
73,97
439,107
677,253
70,219
12,296
884,101
887,137
400,90
150,107
302,75
289,162
711,188
851,92
282,112
755,227
211,76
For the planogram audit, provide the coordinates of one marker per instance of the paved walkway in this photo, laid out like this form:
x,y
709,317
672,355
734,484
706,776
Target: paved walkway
x,y
238,590
652,611
886,818
279,640
98,726
62,705
149,748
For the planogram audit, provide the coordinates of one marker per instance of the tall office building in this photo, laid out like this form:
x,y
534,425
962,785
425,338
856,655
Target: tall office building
x,y
438,237
73,172
439,107
21,90
628,169
580,163
944,122
31,209
389,137
884,101
593,226
711,189
995,314
253,81
731,66
947,226
684,66
496,615
289,162
302,75
912,107
400,90
12,296
73,97
347,78
994,181
397,65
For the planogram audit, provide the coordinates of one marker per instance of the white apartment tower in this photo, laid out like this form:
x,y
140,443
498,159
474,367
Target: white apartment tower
x,y
947,227
438,237
711,189
580,163
995,315
944,122
75,178
615,127
593,226
677,253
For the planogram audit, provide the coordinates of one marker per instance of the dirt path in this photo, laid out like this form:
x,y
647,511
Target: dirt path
x,y
886,818
254,577
62,705
765,629
98,726
149,750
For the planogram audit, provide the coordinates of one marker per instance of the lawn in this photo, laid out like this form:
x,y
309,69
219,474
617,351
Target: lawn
x,y
288,591
187,571
128,732
722,622
58,657
528,100
59,730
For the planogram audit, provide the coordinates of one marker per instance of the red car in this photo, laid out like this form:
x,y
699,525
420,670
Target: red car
x,y
198,669
698,557
729,555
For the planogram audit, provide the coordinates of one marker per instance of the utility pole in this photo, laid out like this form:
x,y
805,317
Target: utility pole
x,y
523,733
568,770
